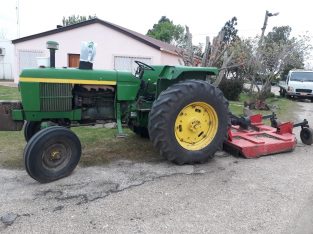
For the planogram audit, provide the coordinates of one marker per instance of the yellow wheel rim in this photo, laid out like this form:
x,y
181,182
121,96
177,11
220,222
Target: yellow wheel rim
x,y
196,126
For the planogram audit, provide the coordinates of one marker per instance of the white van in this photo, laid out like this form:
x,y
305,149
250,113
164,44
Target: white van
x,y
299,83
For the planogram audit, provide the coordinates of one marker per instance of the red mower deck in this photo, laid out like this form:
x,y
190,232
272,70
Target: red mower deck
x,y
260,139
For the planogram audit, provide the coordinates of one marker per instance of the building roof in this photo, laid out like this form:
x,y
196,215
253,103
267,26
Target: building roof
x,y
157,44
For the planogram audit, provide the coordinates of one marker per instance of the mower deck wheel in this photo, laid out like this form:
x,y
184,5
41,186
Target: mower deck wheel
x,y
306,136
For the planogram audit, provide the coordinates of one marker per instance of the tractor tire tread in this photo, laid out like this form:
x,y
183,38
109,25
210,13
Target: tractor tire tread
x,y
161,112
38,138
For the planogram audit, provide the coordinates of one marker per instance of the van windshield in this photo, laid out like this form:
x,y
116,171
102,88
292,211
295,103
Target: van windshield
x,y
302,76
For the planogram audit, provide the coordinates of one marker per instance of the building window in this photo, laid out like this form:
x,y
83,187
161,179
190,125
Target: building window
x,y
126,63
27,58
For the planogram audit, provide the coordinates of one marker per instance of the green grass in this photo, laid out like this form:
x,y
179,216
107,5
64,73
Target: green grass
x,y
11,143
9,93
100,145
11,149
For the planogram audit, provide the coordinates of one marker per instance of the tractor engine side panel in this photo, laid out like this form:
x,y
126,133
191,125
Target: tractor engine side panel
x,y
30,94
46,100
127,86
96,101
46,97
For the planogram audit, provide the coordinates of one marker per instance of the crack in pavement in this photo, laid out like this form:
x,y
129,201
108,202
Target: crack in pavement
x,y
84,197
89,184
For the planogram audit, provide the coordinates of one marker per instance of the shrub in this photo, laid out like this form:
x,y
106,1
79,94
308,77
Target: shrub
x,y
231,88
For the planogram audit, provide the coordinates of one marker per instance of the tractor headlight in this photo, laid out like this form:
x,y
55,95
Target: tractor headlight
x,y
290,89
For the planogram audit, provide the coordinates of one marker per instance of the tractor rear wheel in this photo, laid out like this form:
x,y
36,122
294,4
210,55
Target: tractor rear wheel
x,y
51,154
141,131
188,122
30,129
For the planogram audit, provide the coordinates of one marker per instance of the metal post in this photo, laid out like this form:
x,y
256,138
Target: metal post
x,y
52,46
52,58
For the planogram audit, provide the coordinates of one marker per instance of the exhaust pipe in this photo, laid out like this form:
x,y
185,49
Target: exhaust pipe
x,y
52,46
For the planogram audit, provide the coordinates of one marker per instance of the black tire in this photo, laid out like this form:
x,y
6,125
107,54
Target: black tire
x,y
30,129
168,106
51,142
282,92
138,130
306,136
141,131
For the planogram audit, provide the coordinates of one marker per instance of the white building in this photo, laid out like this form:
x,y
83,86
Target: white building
x,y
117,47
6,60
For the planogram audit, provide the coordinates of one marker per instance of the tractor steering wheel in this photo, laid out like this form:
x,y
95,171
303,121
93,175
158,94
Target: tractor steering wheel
x,y
141,69
144,66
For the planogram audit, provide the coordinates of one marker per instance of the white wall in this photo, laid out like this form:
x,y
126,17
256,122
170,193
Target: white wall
x,y
171,59
110,43
6,61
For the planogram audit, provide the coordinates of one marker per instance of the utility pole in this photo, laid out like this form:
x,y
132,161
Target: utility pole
x,y
17,18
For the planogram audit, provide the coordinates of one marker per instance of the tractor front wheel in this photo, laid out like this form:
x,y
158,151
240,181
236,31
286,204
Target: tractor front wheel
x,y
188,122
30,129
51,154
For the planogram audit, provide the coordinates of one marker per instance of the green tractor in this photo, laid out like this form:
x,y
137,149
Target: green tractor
x,y
184,116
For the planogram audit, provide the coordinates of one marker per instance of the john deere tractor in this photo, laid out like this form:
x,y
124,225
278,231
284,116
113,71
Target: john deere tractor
x,y
184,116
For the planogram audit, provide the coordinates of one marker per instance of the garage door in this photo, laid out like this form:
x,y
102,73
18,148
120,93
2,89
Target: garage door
x,y
27,58
125,63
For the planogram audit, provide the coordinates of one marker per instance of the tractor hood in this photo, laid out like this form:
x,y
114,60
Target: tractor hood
x,y
68,75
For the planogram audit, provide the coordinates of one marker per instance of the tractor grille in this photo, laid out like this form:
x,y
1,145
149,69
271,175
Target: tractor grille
x,y
303,90
55,97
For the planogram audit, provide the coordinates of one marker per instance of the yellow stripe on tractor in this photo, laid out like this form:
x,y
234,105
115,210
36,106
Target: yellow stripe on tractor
x,y
67,81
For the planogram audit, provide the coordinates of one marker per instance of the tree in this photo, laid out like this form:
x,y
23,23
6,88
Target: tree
x,y
214,52
73,19
278,53
230,31
274,57
165,30
280,37
198,50
220,53
188,49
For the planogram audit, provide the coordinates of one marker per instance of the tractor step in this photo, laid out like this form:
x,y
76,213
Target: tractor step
x,y
251,138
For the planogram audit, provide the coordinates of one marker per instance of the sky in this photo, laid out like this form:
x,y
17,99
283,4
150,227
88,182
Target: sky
x,y
204,17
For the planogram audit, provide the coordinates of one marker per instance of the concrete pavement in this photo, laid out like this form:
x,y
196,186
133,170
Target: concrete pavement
x,y
272,194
